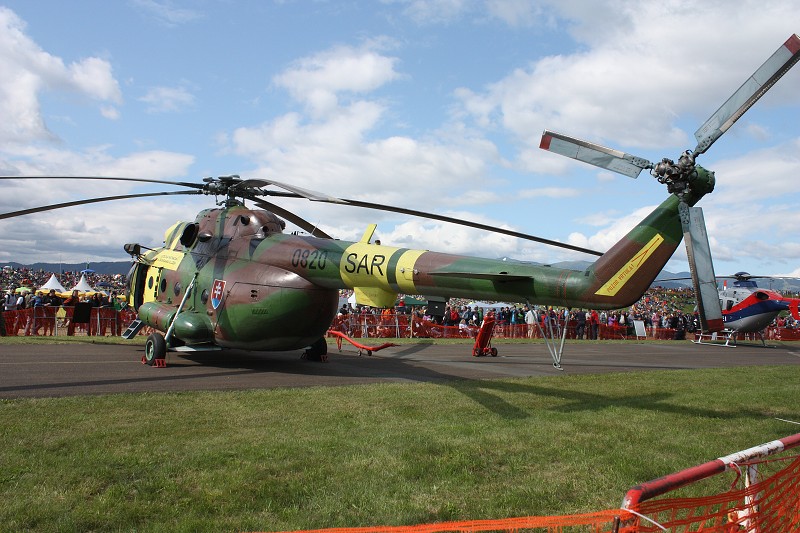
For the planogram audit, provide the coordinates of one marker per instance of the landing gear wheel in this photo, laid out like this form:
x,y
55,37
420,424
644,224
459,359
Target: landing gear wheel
x,y
318,351
475,352
494,352
154,348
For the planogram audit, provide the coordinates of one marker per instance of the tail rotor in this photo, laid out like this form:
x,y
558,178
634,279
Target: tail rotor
x,y
683,177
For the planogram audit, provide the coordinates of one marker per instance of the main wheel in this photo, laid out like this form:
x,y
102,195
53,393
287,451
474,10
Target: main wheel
x,y
318,351
494,351
154,348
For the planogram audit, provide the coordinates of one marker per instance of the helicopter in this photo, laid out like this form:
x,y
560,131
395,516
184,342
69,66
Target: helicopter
x,y
747,308
233,278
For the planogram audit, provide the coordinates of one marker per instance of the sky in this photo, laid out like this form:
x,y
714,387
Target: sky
x,y
431,105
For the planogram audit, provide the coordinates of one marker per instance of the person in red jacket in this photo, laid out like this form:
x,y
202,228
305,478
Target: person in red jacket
x,y
595,322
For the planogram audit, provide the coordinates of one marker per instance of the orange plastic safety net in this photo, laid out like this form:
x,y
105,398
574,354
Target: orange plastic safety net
x,y
599,522
771,505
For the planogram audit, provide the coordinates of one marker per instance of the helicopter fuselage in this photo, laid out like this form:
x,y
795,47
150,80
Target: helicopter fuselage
x,y
234,279
746,308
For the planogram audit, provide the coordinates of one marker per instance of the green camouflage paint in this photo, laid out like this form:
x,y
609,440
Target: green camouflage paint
x,y
259,288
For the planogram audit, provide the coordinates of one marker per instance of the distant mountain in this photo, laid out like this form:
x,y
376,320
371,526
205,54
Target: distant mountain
x,y
117,267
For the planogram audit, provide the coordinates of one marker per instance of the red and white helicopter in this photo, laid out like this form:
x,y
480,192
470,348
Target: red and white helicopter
x,y
748,308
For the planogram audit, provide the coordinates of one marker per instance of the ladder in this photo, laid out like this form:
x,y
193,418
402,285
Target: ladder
x,y
135,327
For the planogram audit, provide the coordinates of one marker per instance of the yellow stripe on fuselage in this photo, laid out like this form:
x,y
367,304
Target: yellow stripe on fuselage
x,y
618,280
405,271
368,265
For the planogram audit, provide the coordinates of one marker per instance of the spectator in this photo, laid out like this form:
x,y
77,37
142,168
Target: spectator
x,y
595,323
10,301
580,324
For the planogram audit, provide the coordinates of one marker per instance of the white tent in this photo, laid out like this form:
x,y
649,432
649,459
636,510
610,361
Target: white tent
x,y
493,305
83,286
52,283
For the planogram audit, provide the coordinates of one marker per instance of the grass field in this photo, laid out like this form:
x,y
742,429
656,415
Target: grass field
x,y
383,454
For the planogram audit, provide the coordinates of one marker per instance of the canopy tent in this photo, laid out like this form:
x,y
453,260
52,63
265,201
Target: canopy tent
x,y
83,286
410,300
52,283
490,305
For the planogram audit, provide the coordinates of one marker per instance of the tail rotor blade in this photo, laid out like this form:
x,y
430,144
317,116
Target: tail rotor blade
x,y
748,94
594,154
701,267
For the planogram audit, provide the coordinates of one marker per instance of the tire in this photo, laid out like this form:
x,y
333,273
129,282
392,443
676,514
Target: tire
x,y
494,352
318,351
154,348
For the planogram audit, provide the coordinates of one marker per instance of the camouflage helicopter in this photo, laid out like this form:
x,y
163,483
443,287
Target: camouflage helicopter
x,y
232,278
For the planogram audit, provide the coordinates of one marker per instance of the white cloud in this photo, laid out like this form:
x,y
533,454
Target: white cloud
x,y
631,78
167,99
318,80
28,71
549,192
94,232
515,13
758,175
167,13
428,12
109,112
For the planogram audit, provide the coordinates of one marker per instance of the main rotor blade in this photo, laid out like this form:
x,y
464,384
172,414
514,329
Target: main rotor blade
x,y
314,196
291,217
594,154
748,94
51,207
433,216
422,214
104,178
700,265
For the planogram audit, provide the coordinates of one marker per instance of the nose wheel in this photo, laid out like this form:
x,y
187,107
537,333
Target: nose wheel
x,y
155,351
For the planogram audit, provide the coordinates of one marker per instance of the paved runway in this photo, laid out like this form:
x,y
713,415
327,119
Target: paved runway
x,y
78,369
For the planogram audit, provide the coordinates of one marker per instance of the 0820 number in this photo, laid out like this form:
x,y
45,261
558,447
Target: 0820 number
x,y
310,259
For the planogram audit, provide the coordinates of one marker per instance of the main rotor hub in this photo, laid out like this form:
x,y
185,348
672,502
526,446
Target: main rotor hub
x,y
677,176
224,186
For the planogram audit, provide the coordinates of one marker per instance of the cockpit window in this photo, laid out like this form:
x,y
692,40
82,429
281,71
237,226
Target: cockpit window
x,y
189,235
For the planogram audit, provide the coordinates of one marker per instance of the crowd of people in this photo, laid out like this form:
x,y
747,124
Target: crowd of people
x,y
666,313
17,278
660,309
28,309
